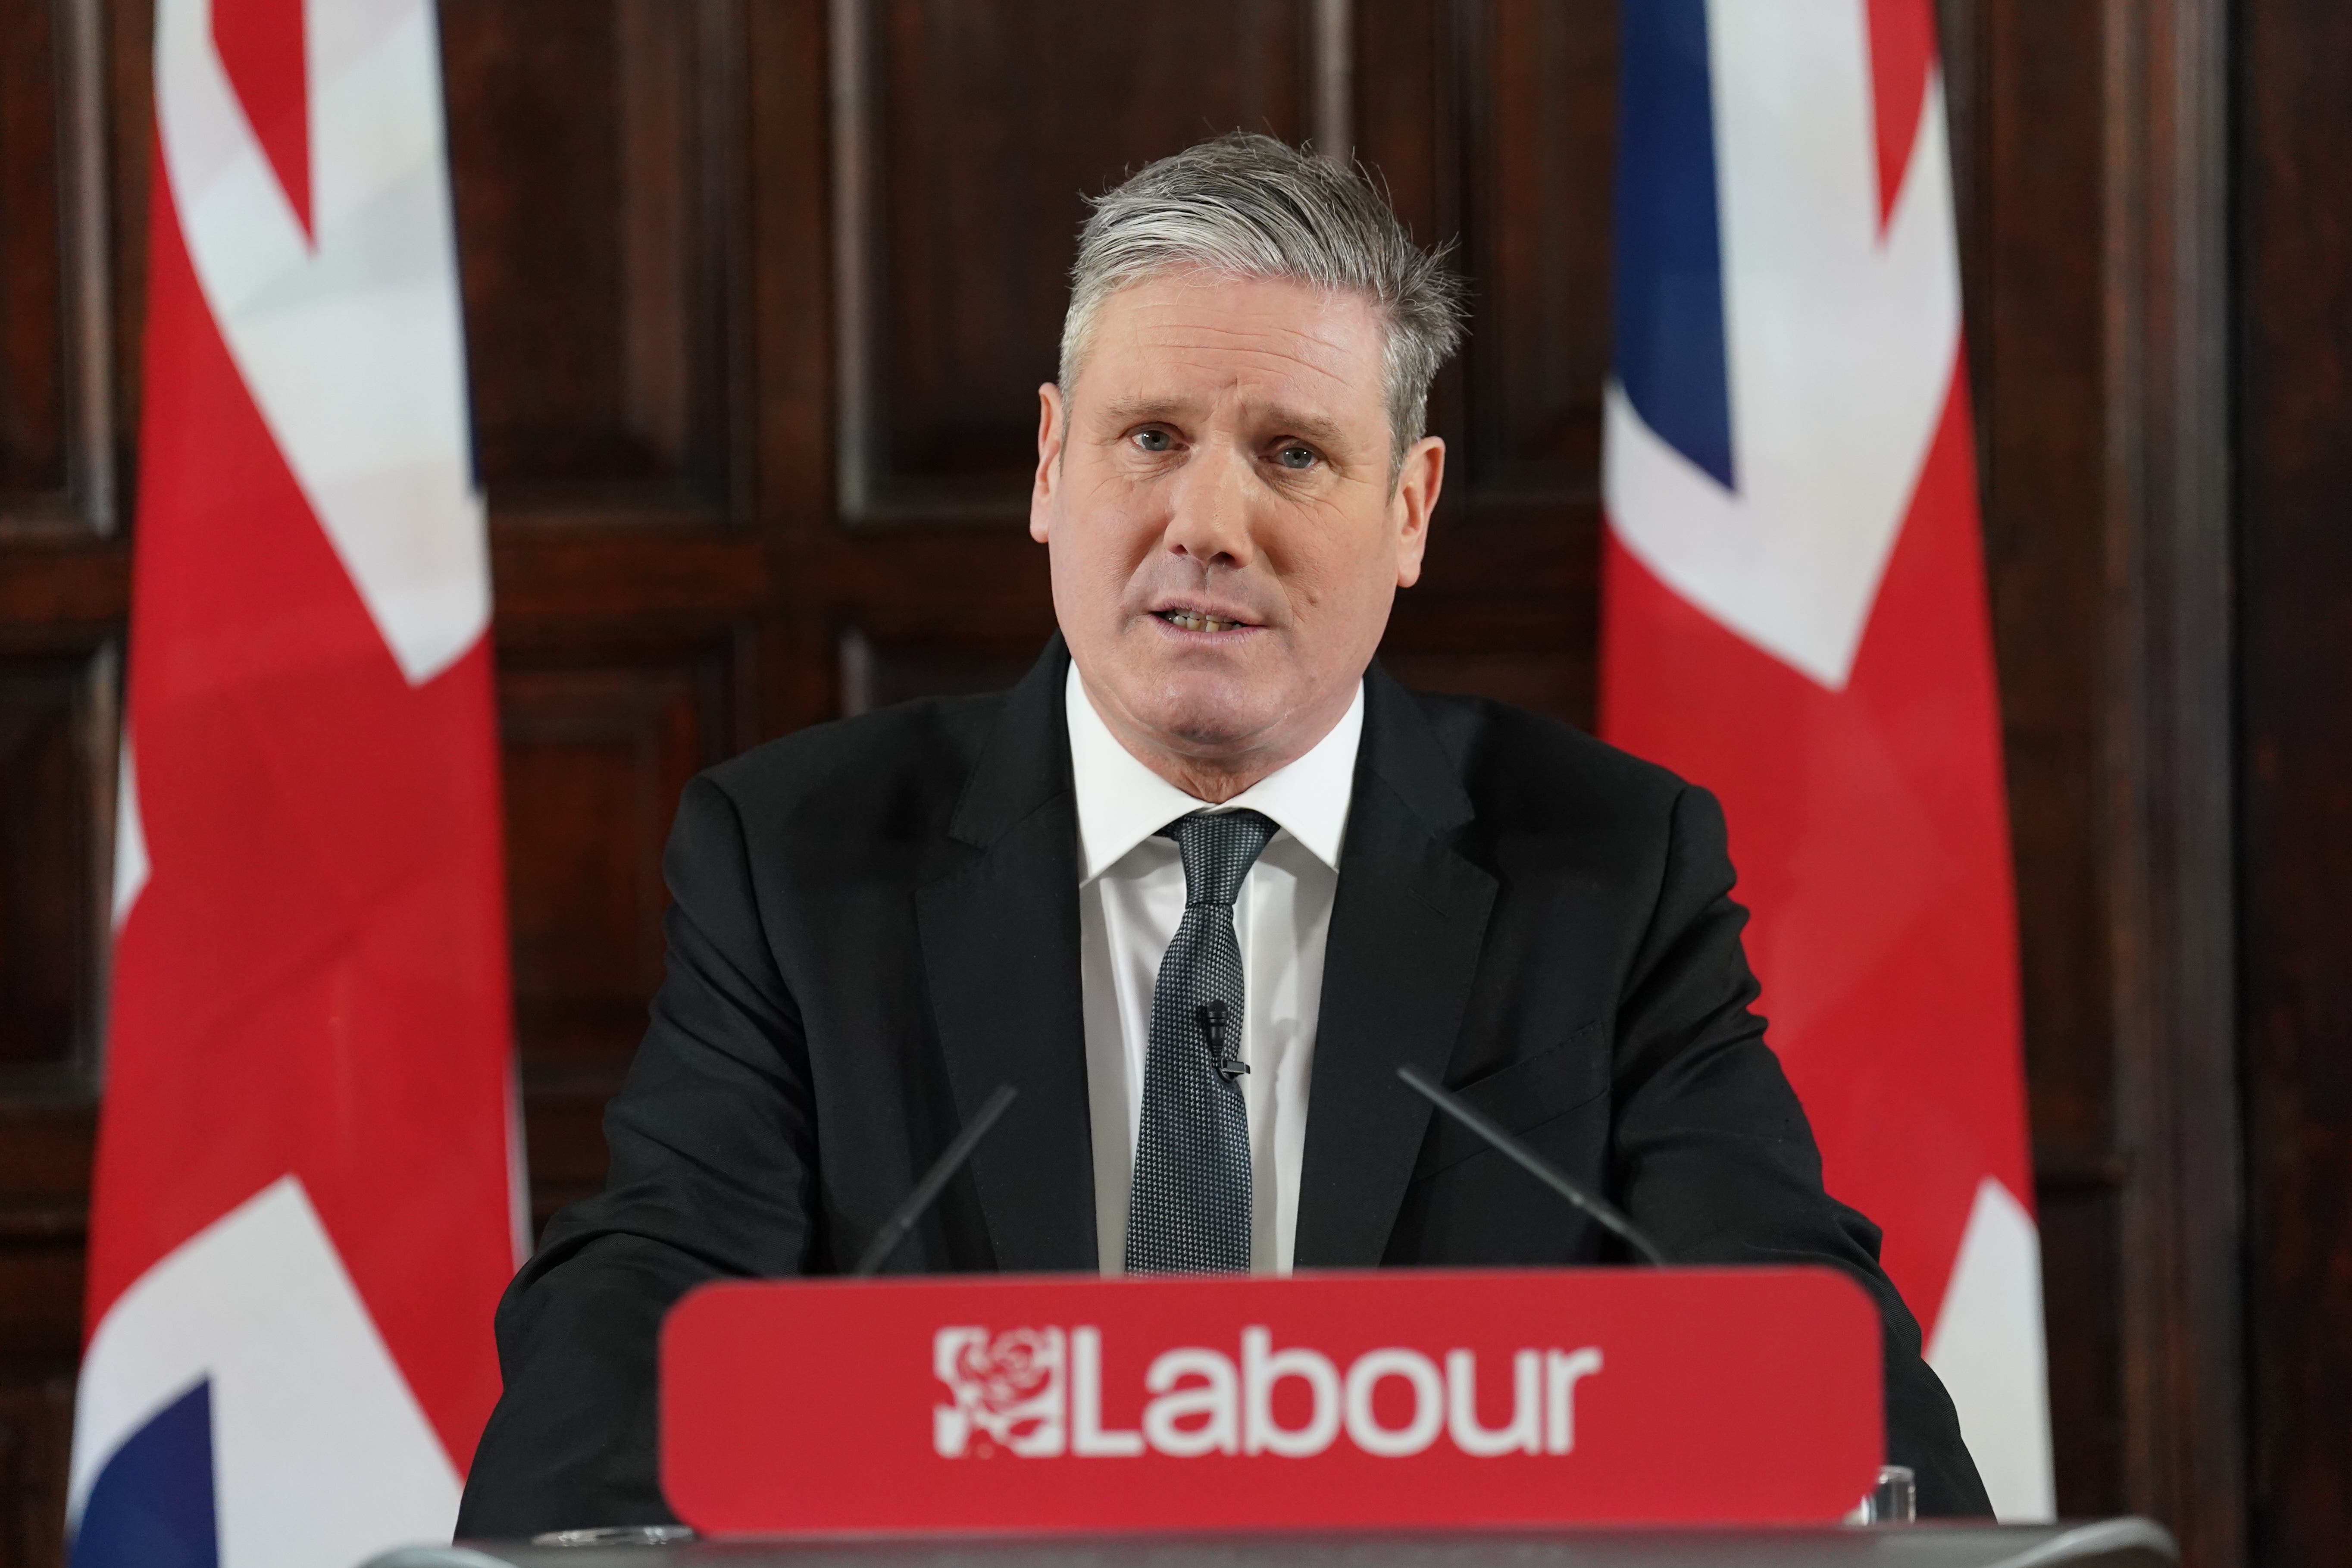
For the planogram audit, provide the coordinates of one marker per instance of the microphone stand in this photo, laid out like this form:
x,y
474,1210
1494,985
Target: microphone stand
x,y
1607,1214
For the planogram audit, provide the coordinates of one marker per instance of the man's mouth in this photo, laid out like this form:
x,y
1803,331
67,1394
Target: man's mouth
x,y
1197,621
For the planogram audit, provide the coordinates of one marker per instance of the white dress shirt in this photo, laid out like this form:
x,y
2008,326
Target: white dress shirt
x,y
1130,900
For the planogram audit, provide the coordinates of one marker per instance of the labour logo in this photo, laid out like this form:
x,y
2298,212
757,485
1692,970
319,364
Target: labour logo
x,y
1008,1392
1037,1392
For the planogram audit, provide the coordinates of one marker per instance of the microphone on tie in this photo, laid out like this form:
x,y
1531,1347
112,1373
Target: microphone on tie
x,y
1212,1014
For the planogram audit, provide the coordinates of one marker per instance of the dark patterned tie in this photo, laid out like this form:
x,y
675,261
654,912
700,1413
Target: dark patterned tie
x,y
1189,1211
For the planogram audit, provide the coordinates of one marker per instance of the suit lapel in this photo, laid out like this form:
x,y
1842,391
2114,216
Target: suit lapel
x,y
1407,925
1000,932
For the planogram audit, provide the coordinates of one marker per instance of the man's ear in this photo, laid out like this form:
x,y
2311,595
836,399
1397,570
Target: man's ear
x,y
1051,431
1419,479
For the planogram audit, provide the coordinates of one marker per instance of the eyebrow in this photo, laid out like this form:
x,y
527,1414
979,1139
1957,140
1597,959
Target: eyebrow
x,y
1312,427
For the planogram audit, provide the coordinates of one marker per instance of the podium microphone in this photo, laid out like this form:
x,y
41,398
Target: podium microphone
x,y
926,1191
1608,1215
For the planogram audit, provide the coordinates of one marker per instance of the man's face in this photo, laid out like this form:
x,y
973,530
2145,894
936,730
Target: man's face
x,y
1225,538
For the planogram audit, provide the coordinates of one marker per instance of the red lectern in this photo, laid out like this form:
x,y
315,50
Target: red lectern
x,y
1403,1398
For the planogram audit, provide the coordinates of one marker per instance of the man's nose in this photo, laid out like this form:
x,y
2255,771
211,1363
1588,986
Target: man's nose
x,y
1209,520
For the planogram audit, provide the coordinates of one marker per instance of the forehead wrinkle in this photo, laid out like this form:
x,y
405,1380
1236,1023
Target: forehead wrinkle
x,y
1185,296
1148,318
1287,342
1229,381
1231,369
1247,329
1188,354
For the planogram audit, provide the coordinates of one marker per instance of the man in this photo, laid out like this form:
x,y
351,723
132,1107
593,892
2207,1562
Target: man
x,y
1197,887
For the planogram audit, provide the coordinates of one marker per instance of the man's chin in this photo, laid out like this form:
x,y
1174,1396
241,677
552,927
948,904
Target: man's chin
x,y
1207,714
1212,730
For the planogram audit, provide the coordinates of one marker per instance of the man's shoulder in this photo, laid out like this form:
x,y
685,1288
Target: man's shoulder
x,y
897,771
1522,769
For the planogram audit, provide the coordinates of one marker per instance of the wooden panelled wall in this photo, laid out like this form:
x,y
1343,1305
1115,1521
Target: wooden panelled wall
x,y
759,292
2294,561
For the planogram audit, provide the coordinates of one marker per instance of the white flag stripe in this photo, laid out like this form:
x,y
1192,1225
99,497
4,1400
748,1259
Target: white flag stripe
x,y
1987,1347
131,865
349,338
321,1453
1840,347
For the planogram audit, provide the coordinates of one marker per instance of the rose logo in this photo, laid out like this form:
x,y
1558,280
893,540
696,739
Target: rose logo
x,y
1015,1369
1008,1392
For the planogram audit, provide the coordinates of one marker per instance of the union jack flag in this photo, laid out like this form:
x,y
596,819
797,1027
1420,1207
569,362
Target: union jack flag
x,y
305,1204
1794,615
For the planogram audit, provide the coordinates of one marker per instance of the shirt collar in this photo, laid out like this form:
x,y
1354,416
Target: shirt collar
x,y
1121,803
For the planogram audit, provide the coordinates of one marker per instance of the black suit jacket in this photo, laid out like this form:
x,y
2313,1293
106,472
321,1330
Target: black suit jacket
x,y
877,922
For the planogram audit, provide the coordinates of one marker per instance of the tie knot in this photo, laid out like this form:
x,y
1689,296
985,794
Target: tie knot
x,y
1219,847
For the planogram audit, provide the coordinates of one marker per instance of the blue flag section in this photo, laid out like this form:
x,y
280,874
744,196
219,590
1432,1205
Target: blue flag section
x,y
1669,253
152,1506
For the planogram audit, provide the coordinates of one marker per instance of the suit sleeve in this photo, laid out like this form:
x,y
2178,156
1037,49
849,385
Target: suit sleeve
x,y
713,1149
1714,1156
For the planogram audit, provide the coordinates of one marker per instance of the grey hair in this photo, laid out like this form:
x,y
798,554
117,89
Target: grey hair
x,y
1252,206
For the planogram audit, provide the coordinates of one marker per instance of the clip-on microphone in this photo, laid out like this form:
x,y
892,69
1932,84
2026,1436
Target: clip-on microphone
x,y
1212,1014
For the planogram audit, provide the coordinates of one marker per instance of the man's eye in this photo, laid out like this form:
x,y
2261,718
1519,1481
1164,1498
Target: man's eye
x,y
1296,456
1154,440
